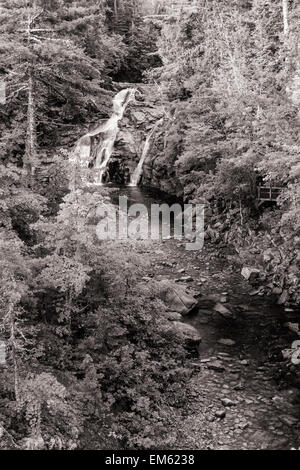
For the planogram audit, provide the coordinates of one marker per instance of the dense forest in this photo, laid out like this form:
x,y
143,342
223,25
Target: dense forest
x,y
91,362
231,74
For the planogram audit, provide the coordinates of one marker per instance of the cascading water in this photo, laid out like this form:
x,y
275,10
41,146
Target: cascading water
x,y
99,156
135,179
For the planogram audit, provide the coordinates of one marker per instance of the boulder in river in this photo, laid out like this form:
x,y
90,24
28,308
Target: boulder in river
x,y
216,366
224,311
174,316
220,414
186,279
226,342
176,298
283,298
187,333
294,327
227,402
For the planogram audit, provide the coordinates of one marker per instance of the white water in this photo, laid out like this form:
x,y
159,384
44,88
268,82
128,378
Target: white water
x,y
135,178
108,131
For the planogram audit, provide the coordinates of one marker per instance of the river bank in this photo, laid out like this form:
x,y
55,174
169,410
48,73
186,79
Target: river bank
x,y
243,394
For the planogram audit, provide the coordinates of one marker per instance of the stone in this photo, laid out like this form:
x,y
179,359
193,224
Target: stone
x,y
203,321
280,444
255,292
289,420
139,116
187,332
197,365
223,354
186,279
222,310
283,298
210,419
176,298
204,311
287,353
249,273
294,327
227,402
244,362
174,316
220,414
226,342
243,425
277,399
167,264
217,366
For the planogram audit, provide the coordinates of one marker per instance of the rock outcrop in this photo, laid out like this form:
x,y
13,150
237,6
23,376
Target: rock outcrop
x,y
176,298
140,119
189,336
187,332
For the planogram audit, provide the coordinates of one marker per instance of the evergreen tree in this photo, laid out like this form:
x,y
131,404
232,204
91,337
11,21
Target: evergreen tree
x,y
127,19
52,73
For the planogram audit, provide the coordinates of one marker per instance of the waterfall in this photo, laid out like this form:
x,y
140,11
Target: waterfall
x,y
135,178
99,156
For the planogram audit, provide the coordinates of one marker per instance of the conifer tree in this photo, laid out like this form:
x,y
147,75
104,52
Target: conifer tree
x,y
52,74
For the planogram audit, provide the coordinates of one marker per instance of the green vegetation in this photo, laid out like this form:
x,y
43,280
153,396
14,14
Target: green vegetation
x,y
230,76
88,357
90,361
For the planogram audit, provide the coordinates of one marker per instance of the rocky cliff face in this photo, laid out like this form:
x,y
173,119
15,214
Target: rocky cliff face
x,y
140,119
139,123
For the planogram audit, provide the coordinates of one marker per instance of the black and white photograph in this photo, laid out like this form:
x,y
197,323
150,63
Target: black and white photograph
x,y
149,229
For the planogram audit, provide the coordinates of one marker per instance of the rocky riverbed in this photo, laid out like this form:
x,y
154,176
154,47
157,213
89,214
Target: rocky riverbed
x,y
243,393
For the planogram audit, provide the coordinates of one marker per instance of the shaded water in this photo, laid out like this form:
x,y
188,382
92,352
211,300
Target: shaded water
x,y
148,197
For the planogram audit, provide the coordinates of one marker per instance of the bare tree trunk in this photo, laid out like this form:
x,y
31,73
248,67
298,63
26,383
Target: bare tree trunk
x,y
16,377
116,9
30,148
13,346
30,145
285,14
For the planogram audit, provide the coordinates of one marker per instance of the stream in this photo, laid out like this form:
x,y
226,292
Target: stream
x,y
243,395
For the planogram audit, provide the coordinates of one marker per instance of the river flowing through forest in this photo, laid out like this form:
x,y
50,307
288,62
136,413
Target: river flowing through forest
x,y
243,395
150,226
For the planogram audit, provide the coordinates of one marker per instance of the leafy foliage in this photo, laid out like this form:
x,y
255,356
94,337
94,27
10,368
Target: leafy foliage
x,y
230,76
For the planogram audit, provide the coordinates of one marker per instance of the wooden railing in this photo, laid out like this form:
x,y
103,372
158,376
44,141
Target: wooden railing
x,y
268,193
